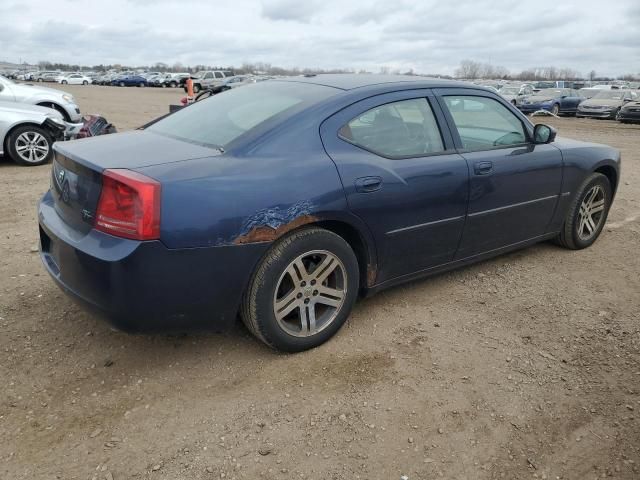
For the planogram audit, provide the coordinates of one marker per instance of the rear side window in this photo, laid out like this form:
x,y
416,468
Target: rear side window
x,y
396,130
219,120
484,123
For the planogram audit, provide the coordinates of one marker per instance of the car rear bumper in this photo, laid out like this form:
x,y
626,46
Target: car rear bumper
x,y
145,286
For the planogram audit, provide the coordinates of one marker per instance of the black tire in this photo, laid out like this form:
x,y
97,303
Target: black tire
x,y
555,109
16,133
569,236
257,310
142,85
121,84
84,82
196,88
173,84
64,82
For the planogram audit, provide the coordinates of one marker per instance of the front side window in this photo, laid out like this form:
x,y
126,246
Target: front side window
x,y
401,129
484,123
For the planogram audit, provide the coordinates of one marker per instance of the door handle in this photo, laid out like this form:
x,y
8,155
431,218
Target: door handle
x,y
483,168
368,184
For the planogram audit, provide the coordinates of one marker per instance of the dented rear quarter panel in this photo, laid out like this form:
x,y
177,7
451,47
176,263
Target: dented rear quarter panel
x,y
250,197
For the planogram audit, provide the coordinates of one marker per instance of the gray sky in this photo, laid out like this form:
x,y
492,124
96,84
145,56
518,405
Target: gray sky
x,y
428,36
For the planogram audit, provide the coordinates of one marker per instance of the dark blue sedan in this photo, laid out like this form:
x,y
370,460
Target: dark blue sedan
x,y
130,81
559,101
285,200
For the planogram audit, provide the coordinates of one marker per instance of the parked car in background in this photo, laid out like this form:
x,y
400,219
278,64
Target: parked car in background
x,y
233,82
208,79
606,103
75,79
47,76
129,81
555,100
174,80
515,93
42,96
629,112
27,132
402,177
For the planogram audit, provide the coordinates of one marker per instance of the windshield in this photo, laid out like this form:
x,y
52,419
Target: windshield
x,y
609,94
552,92
510,90
220,119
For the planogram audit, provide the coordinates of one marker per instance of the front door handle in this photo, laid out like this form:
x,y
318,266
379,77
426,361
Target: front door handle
x,y
483,168
368,184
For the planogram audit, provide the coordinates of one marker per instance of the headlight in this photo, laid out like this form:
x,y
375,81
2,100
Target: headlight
x,y
68,98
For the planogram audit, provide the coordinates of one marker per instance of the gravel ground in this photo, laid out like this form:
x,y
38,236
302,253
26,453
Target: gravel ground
x,y
525,366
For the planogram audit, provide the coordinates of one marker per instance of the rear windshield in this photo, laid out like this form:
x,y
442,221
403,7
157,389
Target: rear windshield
x,y
219,120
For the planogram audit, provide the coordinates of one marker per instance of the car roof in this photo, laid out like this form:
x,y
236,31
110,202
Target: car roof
x,y
347,81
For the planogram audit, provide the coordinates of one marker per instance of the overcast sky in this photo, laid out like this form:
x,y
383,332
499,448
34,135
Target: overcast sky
x,y
427,36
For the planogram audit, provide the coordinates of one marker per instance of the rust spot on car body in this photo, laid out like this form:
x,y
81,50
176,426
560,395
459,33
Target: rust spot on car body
x,y
372,273
266,233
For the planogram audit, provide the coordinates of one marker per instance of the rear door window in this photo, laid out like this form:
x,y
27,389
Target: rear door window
x,y
396,130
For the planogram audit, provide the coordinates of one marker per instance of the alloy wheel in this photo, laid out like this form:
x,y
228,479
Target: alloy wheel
x,y
32,147
591,213
310,293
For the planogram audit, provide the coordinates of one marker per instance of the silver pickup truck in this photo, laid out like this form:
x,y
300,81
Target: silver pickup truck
x,y
208,79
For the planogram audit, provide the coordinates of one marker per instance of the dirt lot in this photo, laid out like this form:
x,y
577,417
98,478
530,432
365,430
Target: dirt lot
x,y
526,366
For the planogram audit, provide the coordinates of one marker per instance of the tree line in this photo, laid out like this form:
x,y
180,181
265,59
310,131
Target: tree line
x,y
468,69
471,69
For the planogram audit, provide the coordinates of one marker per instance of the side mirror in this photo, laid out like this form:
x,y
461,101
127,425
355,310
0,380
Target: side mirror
x,y
544,134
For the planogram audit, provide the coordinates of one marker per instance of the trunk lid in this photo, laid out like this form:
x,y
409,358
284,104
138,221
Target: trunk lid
x,y
76,174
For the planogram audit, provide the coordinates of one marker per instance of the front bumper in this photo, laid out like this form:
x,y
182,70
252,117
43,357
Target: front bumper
x,y
629,116
534,107
145,286
596,113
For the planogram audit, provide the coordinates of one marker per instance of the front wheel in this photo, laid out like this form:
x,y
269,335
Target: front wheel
x,y
196,88
84,82
122,84
64,82
555,109
30,145
587,213
303,290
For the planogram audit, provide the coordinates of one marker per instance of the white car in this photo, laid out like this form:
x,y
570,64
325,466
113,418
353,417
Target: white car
x,y
74,79
27,132
42,96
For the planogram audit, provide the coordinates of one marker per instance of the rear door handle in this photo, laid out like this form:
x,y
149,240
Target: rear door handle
x,y
368,184
483,168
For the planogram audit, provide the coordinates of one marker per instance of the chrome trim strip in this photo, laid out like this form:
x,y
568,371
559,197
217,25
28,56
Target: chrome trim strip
x,y
485,212
422,225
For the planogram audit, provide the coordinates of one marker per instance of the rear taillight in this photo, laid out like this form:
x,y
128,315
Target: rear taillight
x,y
129,205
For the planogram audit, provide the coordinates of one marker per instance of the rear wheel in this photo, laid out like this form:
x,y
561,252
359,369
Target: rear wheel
x,y
84,82
555,109
122,84
30,145
141,85
303,290
64,82
587,213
